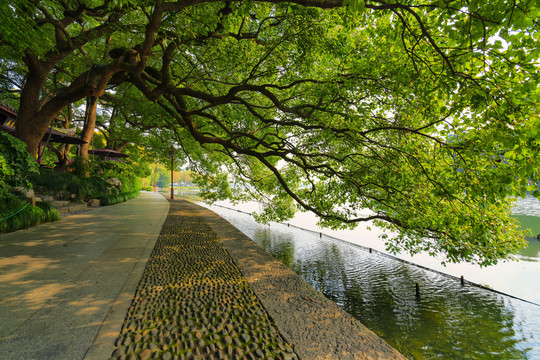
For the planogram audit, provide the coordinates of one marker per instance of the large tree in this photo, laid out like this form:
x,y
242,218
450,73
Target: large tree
x,y
421,116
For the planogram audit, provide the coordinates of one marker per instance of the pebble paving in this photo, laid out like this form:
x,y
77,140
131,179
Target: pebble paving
x,y
193,303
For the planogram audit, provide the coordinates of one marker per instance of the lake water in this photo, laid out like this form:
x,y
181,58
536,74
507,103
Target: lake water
x,y
447,320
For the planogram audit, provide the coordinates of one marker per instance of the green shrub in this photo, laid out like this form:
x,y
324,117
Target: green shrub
x,y
49,211
63,184
100,186
126,173
130,183
115,168
16,164
81,167
19,215
60,182
148,188
117,198
10,203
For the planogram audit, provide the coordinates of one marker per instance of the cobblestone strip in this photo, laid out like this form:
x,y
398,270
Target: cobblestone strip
x,y
193,303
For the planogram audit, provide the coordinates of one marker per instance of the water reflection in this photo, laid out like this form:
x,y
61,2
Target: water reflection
x,y
283,250
447,321
189,194
531,252
529,205
529,218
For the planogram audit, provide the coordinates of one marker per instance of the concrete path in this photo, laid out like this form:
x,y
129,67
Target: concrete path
x,y
65,287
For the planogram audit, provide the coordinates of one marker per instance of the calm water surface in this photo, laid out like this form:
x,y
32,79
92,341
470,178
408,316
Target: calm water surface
x,y
447,321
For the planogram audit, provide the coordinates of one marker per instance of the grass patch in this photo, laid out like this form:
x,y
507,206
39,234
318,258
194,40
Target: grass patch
x,y
112,199
19,215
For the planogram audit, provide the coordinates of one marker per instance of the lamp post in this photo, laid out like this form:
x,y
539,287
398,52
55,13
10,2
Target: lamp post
x,y
171,154
155,178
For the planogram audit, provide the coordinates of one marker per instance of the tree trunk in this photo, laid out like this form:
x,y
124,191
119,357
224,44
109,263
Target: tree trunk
x,y
29,127
62,152
89,125
33,120
65,148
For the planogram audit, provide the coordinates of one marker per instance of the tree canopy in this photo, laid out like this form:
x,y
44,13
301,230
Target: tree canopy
x,y
421,116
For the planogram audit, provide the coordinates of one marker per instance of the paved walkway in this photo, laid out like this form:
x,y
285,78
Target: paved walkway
x,y
91,287
65,286
194,303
